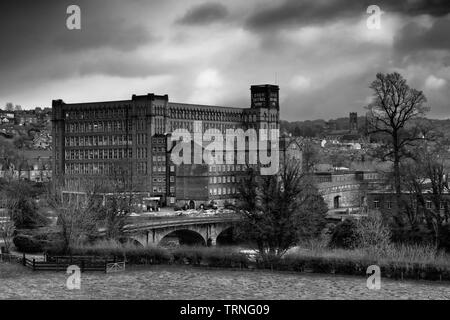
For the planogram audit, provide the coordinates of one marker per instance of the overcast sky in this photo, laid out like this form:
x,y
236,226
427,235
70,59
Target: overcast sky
x,y
320,52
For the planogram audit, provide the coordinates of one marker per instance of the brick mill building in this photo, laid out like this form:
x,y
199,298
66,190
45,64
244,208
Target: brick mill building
x,y
131,139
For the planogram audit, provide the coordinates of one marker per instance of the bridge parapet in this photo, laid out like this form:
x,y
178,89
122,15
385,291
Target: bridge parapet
x,y
152,232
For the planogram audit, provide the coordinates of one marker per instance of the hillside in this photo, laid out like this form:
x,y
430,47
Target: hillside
x,y
314,128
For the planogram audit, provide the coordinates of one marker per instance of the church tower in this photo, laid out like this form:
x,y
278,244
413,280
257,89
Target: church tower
x,y
353,124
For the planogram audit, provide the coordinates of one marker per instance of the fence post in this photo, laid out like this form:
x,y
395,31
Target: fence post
x,y
24,261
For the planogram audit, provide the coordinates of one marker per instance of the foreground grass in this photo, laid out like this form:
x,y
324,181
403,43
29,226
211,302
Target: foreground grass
x,y
186,282
13,270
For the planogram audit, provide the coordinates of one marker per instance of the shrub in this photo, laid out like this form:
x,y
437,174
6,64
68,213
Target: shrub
x,y
147,255
373,234
444,238
23,209
187,255
133,254
344,235
408,235
222,257
55,248
28,244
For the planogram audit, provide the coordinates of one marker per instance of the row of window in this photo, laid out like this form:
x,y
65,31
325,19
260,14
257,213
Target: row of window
x,y
79,184
99,168
189,125
110,140
141,153
216,116
225,179
159,168
97,113
141,138
230,167
141,125
105,112
142,167
222,191
158,149
160,126
345,187
105,168
98,126
159,159
92,154
204,115
159,141
163,179
428,204
157,189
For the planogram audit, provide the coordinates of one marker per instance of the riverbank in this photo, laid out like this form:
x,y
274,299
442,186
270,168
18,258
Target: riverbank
x,y
198,283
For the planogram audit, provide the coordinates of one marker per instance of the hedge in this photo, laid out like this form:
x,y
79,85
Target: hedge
x,y
223,258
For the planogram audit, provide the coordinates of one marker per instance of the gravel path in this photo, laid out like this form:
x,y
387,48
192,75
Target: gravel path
x,y
175,282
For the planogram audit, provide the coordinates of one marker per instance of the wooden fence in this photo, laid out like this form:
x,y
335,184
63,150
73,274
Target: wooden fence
x,y
61,263
7,257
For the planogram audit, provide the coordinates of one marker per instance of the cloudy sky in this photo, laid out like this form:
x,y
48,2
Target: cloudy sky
x,y
320,52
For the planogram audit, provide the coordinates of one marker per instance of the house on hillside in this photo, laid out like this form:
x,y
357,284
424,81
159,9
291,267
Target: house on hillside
x,y
26,118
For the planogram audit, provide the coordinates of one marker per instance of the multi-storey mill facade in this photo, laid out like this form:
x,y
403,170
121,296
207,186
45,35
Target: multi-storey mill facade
x,y
96,140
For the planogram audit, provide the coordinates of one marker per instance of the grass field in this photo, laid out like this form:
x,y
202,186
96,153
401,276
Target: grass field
x,y
188,283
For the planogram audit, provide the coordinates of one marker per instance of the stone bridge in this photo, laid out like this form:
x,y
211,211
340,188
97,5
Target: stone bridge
x,y
188,230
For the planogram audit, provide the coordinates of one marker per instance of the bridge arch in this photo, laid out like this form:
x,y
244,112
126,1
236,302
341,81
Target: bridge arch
x,y
183,237
203,230
136,240
225,236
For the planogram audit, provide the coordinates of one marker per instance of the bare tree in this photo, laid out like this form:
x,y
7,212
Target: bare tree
x,y
280,210
101,204
311,155
77,217
120,194
21,205
9,158
429,187
9,106
395,105
413,183
6,233
373,234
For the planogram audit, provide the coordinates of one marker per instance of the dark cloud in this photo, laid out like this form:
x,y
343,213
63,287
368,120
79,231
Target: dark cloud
x,y
35,29
413,38
294,13
109,33
36,43
204,14
126,67
134,46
